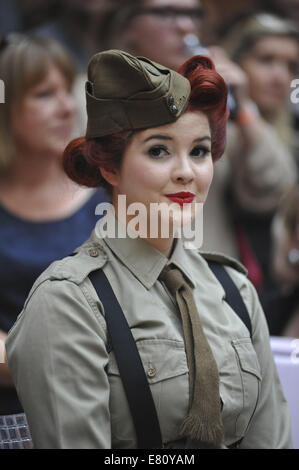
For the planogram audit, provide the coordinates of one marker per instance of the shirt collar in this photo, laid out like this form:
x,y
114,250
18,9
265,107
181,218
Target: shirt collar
x,y
143,260
180,259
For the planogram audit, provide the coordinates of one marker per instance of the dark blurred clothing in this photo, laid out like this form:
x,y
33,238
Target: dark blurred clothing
x,y
55,30
278,305
9,17
26,250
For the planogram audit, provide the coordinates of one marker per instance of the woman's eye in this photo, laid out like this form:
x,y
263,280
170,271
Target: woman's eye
x,y
43,93
200,151
158,151
266,59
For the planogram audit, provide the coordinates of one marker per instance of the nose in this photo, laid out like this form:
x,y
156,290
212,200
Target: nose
x,y
182,171
66,104
185,24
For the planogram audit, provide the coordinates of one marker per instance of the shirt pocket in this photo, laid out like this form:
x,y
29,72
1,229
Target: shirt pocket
x,y
165,366
240,381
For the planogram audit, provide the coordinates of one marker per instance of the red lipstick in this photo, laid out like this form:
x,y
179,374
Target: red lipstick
x,y
181,197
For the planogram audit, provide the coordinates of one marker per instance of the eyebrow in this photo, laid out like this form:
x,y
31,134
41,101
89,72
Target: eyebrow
x,y
166,137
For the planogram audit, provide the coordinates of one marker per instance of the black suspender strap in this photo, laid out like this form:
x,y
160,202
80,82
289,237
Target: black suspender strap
x,y
130,366
129,363
232,294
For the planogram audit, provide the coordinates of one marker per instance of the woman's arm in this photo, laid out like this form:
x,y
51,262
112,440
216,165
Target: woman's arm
x,y
57,356
270,426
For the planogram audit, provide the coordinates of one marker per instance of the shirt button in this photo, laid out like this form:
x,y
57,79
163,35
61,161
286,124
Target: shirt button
x,y
151,372
94,252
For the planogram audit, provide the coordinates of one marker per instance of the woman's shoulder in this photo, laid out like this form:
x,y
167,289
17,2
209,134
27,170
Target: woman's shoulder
x,y
72,269
251,310
226,278
205,261
223,259
63,293
233,267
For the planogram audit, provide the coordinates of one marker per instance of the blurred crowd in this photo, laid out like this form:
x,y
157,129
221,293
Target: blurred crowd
x,y
252,212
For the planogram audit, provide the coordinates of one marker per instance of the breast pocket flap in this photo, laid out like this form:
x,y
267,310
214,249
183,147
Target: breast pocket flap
x,y
247,356
161,359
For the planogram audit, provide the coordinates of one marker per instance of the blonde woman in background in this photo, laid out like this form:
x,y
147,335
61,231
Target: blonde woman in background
x,y
43,215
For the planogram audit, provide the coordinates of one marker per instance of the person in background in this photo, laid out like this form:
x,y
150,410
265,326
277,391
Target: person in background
x,y
153,28
288,9
285,262
35,12
43,215
266,48
76,26
219,13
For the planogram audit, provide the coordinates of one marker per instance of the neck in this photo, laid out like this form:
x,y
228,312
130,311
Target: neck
x,y
141,226
164,245
32,170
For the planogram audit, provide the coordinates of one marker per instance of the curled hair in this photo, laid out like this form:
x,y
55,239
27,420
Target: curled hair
x,y
83,157
209,95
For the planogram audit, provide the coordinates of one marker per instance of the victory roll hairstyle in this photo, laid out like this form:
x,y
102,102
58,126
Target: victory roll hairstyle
x,y
83,157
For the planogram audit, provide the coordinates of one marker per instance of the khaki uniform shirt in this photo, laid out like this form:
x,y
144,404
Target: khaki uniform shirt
x,y
67,377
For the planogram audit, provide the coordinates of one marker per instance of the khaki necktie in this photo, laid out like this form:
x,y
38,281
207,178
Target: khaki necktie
x,y
202,426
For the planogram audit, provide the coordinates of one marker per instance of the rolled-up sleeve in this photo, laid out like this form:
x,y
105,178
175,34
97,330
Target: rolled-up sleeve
x,y
57,357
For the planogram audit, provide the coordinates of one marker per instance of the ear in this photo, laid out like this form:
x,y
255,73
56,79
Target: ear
x,y
111,175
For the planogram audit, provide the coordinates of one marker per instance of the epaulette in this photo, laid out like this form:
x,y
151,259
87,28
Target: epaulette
x,y
75,267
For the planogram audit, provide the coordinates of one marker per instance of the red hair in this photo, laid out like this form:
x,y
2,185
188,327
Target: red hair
x,y
83,158
209,95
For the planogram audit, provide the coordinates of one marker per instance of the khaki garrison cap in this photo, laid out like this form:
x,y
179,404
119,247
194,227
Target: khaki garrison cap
x,y
124,92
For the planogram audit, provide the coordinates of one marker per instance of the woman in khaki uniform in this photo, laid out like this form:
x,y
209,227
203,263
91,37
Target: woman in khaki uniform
x,y
152,136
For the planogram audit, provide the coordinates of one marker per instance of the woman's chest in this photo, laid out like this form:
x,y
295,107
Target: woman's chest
x,y
155,322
